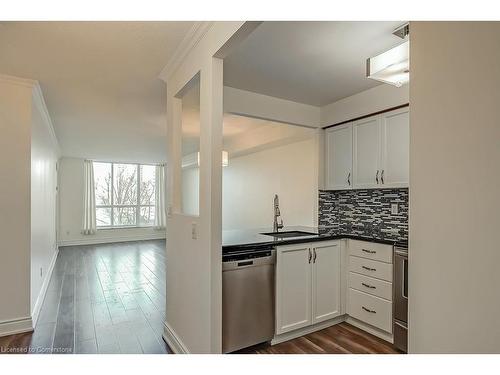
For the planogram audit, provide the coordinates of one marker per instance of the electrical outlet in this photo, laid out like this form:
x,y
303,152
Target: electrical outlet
x,y
41,272
194,231
394,208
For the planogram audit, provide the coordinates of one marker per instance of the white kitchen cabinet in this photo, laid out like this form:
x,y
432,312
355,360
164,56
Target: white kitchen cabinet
x,y
395,151
339,157
307,284
326,281
293,287
366,152
369,153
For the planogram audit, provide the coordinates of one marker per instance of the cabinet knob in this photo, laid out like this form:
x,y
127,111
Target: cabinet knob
x,y
382,177
310,256
349,179
369,251
314,257
376,177
368,268
369,286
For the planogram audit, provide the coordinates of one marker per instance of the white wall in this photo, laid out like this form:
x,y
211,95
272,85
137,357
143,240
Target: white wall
x,y
15,128
250,182
375,99
44,156
256,105
194,269
71,211
191,191
455,185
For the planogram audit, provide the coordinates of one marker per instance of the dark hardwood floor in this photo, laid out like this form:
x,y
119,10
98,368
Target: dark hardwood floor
x,y
342,338
107,298
110,298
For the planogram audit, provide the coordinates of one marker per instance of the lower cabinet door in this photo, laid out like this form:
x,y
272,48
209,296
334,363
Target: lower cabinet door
x,y
326,281
293,287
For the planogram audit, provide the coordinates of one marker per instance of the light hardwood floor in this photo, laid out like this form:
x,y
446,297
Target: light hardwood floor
x,y
107,298
110,298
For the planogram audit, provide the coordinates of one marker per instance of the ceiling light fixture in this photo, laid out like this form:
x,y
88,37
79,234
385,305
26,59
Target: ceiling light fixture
x,y
393,66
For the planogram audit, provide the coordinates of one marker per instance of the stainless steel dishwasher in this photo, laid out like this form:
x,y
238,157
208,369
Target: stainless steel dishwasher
x,y
247,298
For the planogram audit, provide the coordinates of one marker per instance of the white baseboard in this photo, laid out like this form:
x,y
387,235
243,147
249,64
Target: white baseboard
x,y
306,330
173,341
43,290
14,326
100,240
370,329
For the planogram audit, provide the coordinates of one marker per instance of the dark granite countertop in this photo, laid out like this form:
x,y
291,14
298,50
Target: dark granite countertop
x,y
240,240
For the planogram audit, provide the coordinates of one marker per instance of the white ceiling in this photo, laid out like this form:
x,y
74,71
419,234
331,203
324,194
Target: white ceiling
x,y
315,63
100,82
241,135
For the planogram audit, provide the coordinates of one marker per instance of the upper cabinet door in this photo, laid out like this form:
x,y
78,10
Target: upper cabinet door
x,y
366,153
339,157
326,281
293,287
395,148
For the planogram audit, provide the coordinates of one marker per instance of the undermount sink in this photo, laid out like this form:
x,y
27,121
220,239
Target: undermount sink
x,y
290,233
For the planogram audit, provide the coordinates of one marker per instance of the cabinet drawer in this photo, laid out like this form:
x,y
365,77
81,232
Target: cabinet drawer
x,y
372,268
371,250
370,309
370,285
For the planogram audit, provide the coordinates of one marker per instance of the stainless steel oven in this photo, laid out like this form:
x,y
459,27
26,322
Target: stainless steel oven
x,y
400,305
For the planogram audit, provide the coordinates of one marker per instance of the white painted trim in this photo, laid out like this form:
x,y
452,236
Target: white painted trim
x,y
370,329
26,82
100,240
306,330
173,340
14,326
188,43
39,101
43,290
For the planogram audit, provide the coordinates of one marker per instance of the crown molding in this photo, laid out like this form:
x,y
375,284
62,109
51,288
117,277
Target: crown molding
x,y
188,43
38,100
26,82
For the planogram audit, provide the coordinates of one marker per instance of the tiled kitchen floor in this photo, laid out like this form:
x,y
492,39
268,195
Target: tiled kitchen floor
x,y
107,298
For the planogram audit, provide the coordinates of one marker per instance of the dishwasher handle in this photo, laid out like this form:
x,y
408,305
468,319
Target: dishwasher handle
x,y
252,262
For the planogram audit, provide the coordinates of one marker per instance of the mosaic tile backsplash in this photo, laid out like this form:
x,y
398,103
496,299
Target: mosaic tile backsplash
x,y
365,212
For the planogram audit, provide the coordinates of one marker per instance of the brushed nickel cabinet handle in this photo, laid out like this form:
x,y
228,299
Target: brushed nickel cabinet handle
x,y
349,179
368,268
314,257
368,310
310,255
369,251
376,177
369,286
382,177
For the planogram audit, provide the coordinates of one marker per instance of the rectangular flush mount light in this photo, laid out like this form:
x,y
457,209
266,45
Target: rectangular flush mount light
x,y
391,67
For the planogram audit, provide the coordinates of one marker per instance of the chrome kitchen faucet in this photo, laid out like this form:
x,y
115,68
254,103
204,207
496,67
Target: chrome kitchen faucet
x,y
277,226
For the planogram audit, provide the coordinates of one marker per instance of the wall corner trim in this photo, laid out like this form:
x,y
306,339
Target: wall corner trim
x,y
15,326
41,296
173,340
188,43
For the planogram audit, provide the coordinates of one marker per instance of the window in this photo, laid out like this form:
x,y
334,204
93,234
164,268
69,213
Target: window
x,y
124,195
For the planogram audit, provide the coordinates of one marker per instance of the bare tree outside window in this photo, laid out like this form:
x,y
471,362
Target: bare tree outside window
x,y
125,194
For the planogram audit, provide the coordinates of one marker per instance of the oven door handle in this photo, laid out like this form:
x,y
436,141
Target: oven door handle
x,y
405,275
